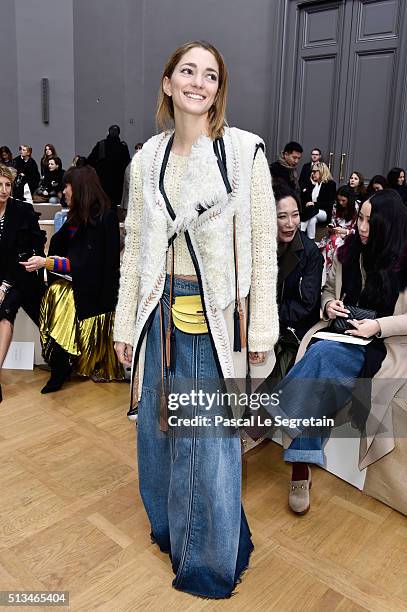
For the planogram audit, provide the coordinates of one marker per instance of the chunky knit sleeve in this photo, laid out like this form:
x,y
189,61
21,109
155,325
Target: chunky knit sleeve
x,y
263,327
129,273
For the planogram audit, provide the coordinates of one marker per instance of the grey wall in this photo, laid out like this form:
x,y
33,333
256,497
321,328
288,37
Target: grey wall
x,y
44,32
9,99
100,68
240,29
120,53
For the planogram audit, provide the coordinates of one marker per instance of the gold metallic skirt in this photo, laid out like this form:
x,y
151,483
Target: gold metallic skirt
x,y
89,342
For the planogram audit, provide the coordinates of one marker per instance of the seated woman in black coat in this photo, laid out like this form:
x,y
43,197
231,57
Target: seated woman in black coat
x,y
77,312
300,265
20,237
317,199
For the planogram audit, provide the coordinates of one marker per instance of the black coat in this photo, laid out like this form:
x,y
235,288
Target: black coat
x,y
325,201
110,158
305,176
21,239
30,170
94,253
299,285
282,175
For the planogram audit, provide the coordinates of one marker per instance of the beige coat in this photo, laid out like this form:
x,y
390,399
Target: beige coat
x,y
389,383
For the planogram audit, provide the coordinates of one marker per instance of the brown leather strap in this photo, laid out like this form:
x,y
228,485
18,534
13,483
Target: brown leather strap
x,y
163,396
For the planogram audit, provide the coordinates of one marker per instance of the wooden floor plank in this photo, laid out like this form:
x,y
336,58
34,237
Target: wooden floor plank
x,y
71,518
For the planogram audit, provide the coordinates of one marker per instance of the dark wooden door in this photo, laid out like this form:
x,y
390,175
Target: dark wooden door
x,y
343,83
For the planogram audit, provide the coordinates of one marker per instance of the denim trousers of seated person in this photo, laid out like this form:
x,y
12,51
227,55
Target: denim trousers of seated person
x,y
319,385
191,484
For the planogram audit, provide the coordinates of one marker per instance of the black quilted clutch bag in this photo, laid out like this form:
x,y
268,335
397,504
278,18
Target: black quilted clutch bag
x,y
340,324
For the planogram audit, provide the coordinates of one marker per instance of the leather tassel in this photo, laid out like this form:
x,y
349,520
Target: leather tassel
x,y
237,340
242,329
172,352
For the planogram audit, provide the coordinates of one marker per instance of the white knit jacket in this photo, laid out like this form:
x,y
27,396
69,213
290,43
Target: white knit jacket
x,y
149,227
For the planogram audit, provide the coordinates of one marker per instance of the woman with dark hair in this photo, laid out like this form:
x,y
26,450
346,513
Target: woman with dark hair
x,y
357,184
20,237
397,180
6,157
365,275
49,151
200,235
299,281
50,188
343,223
377,183
77,311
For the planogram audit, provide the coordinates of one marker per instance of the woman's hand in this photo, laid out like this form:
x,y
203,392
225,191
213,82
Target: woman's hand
x,y
340,231
257,358
124,353
34,263
365,328
335,308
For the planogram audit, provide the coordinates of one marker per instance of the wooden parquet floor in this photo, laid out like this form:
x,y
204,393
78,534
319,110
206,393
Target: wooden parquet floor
x,y
71,518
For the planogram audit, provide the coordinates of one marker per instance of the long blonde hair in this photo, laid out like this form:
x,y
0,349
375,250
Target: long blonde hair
x,y
323,171
216,116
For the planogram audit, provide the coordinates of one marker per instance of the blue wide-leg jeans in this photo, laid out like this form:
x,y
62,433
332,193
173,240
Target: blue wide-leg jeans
x,y
318,386
190,484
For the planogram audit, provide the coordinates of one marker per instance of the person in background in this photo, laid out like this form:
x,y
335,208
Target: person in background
x,y
300,266
367,271
357,183
77,311
27,168
60,217
318,199
305,176
20,238
396,179
126,183
6,157
50,188
284,169
343,223
49,151
377,183
110,158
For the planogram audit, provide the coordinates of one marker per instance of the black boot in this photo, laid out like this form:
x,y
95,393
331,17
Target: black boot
x,y
60,370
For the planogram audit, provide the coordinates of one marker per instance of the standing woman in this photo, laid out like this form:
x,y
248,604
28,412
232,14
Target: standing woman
x,y
317,199
20,237
196,192
77,312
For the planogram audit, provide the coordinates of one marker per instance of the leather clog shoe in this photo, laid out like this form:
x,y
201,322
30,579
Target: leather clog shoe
x,y
298,497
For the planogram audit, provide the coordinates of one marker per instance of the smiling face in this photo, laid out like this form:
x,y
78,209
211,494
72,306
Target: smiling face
x,y
5,190
364,221
194,83
401,178
288,219
52,165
